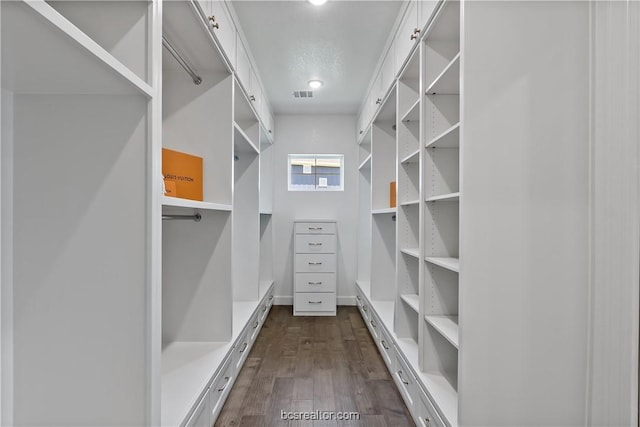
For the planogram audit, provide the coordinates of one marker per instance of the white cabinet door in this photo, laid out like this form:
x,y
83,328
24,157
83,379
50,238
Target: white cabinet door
x,y
223,28
243,68
425,10
254,90
406,36
388,69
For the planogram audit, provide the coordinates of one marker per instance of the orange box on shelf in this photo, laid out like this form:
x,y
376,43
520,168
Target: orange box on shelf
x,y
182,175
392,194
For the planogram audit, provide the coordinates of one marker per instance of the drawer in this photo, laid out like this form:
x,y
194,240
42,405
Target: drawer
x,y
241,351
315,263
320,244
386,349
310,301
254,327
269,300
405,381
315,228
220,388
374,326
315,282
263,311
427,415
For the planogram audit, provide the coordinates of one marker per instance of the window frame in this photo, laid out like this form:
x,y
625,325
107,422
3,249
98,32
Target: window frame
x,y
315,156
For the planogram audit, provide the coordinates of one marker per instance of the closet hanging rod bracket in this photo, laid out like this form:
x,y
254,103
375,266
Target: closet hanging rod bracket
x,y
196,79
196,217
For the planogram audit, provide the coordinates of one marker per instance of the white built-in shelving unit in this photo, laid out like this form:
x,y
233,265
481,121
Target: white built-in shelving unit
x,y
118,293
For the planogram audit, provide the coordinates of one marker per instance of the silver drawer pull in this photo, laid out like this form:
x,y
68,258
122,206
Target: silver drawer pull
x,y
402,379
384,345
373,324
358,298
427,422
315,283
226,381
315,228
315,263
314,302
244,348
256,325
315,244
365,308
271,298
264,308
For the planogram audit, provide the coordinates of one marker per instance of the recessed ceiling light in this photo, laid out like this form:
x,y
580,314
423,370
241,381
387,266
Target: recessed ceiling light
x,y
315,84
317,2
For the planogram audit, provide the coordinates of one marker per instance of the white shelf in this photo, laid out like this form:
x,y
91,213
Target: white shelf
x,y
451,197
411,252
384,211
410,203
412,301
449,263
448,82
242,142
413,114
366,163
413,157
447,326
195,204
187,368
442,393
66,53
266,212
409,348
450,138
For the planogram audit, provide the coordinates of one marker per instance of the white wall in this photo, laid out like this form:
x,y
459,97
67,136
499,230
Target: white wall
x,y
330,134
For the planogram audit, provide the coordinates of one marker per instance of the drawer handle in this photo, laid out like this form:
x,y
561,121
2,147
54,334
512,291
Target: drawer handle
x,y
315,228
244,348
226,381
315,263
427,422
373,324
365,308
315,302
264,308
384,345
256,325
402,379
315,283
271,298
358,298
315,244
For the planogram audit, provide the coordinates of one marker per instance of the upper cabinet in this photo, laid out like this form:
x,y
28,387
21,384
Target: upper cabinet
x,y
219,16
411,28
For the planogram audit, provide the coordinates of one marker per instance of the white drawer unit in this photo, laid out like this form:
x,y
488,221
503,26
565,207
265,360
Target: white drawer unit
x,y
220,387
315,268
324,302
405,381
426,413
315,282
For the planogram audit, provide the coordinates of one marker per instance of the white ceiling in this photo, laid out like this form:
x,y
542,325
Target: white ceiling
x,y
339,43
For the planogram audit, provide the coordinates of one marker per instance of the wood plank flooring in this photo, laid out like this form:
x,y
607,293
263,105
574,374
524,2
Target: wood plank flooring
x,y
314,364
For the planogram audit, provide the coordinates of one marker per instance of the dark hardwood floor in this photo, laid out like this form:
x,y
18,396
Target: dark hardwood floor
x,y
314,364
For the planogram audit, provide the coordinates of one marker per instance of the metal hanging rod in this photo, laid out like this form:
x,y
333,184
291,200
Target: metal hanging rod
x,y
196,79
197,217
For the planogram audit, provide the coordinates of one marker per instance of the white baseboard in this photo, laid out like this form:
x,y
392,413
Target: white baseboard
x,y
288,300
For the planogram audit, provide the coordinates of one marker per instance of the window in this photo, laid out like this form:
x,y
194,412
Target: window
x,y
316,172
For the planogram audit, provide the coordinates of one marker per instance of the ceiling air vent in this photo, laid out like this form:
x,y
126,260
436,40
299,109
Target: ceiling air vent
x,y
303,94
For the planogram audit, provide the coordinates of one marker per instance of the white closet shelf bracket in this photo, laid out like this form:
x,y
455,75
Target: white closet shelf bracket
x,y
196,79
